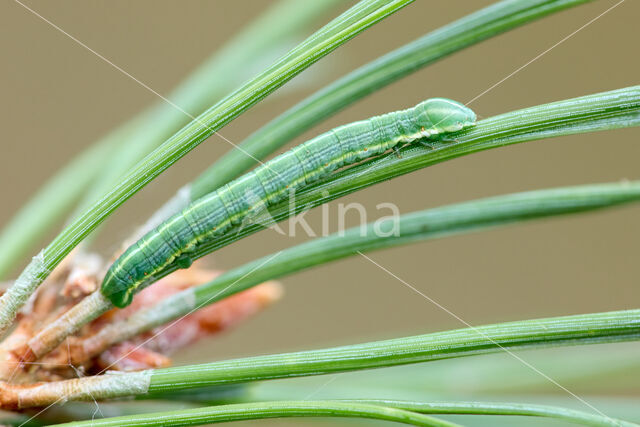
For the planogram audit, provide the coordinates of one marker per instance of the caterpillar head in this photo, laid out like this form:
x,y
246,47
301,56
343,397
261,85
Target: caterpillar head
x,y
118,291
444,115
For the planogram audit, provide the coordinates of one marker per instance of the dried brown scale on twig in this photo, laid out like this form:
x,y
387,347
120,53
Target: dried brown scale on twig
x,y
17,397
131,356
83,277
69,323
165,340
62,327
102,334
77,277
99,345
208,320
45,306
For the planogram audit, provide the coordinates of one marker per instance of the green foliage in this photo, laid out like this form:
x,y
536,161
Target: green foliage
x,y
602,111
360,17
424,225
597,112
469,30
389,410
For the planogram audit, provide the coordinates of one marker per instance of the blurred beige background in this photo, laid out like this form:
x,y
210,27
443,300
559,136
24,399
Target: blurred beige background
x,y
57,98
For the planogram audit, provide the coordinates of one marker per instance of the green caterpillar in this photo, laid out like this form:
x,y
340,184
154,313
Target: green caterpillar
x,y
214,214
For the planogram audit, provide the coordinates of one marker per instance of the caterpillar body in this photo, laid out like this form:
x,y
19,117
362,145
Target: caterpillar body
x,y
214,214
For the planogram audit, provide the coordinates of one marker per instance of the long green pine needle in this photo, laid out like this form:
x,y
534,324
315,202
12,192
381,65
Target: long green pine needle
x,y
502,408
126,144
469,30
355,20
608,110
440,222
255,411
602,111
49,204
356,408
465,32
253,45
592,328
